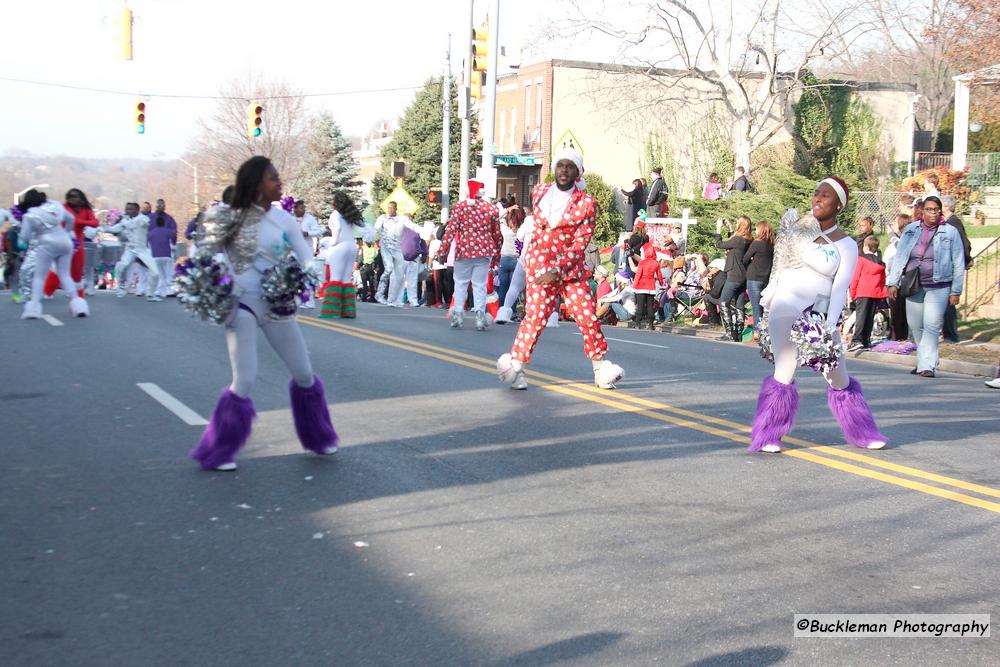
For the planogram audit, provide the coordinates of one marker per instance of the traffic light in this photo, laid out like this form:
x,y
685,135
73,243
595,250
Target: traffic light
x,y
480,56
125,34
254,120
140,117
435,197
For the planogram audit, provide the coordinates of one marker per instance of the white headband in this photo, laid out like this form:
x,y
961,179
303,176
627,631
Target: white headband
x,y
838,188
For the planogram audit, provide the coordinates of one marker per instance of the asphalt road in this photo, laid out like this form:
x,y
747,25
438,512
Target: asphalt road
x,y
466,524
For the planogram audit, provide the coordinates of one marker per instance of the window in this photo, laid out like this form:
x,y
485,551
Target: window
x,y
527,106
503,130
538,96
515,142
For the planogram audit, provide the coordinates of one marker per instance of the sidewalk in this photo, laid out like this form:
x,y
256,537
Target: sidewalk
x,y
947,364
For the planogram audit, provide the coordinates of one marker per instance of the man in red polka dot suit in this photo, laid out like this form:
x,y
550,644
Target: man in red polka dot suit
x,y
564,216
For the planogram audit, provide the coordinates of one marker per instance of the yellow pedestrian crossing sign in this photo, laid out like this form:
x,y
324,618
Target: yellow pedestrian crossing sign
x,y
568,140
405,204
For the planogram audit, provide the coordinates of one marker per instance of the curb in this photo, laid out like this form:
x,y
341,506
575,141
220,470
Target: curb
x,y
947,365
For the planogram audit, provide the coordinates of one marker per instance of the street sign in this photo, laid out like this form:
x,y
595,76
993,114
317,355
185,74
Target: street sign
x,y
405,204
515,160
568,139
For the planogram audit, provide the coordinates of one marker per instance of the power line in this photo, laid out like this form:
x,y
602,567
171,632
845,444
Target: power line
x,y
130,93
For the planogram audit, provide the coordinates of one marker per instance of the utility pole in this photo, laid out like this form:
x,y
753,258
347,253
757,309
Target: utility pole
x,y
492,64
463,110
446,133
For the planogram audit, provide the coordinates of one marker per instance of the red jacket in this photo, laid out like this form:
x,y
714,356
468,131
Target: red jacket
x,y
561,248
474,227
869,279
647,275
83,218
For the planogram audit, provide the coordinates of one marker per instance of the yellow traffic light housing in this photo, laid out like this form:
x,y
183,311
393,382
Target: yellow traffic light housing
x,y
125,34
477,84
140,117
254,119
480,47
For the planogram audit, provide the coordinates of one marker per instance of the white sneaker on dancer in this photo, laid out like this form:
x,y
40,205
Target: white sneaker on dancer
x,y
78,306
771,449
504,315
607,374
481,321
32,311
225,467
993,384
456,319
510,374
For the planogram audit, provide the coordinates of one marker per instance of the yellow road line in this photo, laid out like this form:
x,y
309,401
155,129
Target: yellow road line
x,y
648,408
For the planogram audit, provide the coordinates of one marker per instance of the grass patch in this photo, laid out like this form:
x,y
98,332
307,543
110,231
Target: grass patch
x,y
981,331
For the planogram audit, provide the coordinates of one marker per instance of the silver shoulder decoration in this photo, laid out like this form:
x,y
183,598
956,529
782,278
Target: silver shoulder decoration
x,y
793,231
234,232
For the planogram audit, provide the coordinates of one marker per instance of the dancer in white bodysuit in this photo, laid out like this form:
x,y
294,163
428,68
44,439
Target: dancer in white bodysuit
x,y
518,281
813,266
135,226
46,225
255,236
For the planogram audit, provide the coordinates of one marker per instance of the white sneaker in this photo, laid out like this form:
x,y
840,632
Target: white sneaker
x,y
508,374
878,444
481,322
607,374
771,449
226,467
329,449
503,315
32,311
993,384
456,319
380,299
78,306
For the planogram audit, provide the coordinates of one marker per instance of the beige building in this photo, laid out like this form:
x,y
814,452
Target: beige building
x,y
611,113
369,155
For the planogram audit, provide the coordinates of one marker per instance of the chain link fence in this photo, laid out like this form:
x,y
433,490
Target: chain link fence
x,y
881,207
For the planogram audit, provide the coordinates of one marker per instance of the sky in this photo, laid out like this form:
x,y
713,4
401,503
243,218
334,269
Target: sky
x,y
192,47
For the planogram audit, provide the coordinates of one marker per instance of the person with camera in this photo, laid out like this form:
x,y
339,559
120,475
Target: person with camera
x,y
928,271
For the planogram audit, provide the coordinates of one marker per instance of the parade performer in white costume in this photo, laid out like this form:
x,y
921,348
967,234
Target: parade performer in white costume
x,y
255,236
48,225
339,294
555,267
813,266
135,226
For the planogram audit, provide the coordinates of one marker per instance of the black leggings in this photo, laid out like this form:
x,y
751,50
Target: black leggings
x,y
645,307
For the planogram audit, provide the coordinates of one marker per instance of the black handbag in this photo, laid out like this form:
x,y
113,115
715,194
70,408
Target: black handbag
x,y
909,282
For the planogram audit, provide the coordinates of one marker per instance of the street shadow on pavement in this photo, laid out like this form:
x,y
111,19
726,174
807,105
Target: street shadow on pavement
x,y
759,656
567,649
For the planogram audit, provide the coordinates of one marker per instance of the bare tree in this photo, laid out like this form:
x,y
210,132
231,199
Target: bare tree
x,y
909,46
752,68
224,142
973,48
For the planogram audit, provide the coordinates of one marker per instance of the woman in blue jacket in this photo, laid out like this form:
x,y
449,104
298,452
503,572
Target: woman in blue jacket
x,y
936,252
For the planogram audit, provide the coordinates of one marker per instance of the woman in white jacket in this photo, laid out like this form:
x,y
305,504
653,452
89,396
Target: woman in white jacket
x,y
46,223
339,294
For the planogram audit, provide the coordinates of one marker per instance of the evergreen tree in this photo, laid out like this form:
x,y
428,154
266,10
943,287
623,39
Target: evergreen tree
x,y
329,166
418,142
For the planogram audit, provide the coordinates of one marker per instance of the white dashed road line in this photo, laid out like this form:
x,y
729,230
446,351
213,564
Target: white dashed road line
x,y
186,414
51,320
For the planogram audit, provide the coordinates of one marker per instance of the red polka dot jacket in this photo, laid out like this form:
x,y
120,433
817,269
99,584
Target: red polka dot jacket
x,y
561,248
474,227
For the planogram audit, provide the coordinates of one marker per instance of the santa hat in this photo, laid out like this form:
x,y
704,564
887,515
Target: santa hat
x,y
572,154
474,187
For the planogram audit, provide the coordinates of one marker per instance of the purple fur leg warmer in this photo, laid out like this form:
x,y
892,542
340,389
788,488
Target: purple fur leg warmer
x,y
312,416
851,409
777,406
227,431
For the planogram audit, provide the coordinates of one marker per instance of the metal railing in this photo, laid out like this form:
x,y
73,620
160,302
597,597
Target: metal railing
x,y
923,161
984,170
982,281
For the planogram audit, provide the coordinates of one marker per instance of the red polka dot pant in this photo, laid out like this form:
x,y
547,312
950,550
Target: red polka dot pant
x,y
541,300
